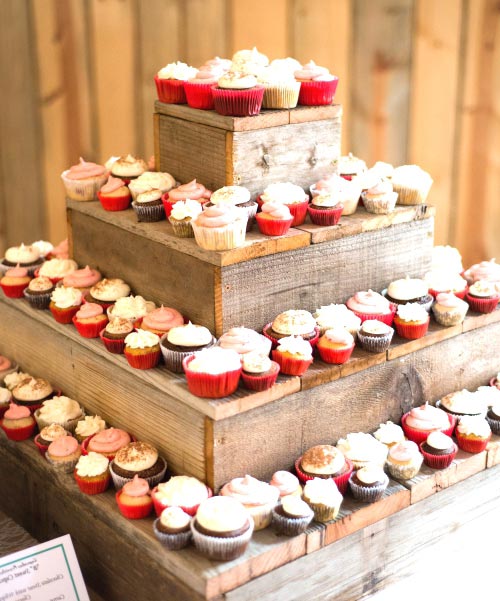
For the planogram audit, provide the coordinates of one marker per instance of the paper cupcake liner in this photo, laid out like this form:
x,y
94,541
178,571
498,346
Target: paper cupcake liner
x,y
146,360
113,346
64,316
42,448
18,434
317,93
159,506
325,216
380,206
449,318
284,96
63,466
170,91
221,238
181,229
94,487
456,415
419,436
224,549
83,190
238,103
173,542
410,195
250,212
38,301
114,203
437,462
273,227
350,205
460,294
119,481
411,331
199,95
167,205
258,383
274,341
471,445
290,526
368,494
404,472
386,318
289,365
14,291
110,456
334,356
133,512
375,344
89,330
209,385
298,211
494,424
341,480
323,513
148,214
174,359
482,305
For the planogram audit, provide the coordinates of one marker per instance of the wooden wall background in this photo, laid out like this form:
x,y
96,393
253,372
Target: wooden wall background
x,y
419,81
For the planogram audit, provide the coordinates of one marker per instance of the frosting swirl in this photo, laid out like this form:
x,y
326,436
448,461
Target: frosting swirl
x,y
163,319
16,272
131,307
91,465
483,289
44,247
428,418
63,446
112,185
215,360
84,170
350,165
449,300
22,254
64,297
60,409
359,446
186,209
447,258
151,180
285,482
137,487
250,491
32,389
293,506
485,270
295,345
369,302
242,340
276,210
329,316
189,335
82,278
182,491
58,268
89,425
285,193
108,441
178,70
141,339
17,412
310,71
218,216
89,310
412,312
192,190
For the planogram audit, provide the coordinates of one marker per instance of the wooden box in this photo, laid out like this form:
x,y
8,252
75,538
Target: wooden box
x,y
275,146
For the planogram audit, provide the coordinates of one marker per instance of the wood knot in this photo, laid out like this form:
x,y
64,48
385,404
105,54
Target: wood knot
x,y
266,159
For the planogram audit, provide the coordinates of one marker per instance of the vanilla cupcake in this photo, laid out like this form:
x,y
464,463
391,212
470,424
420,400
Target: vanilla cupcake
x,y
324,498
88,426
409,290
412,184
137,458
449,310
57,269
281,88
389,434
59,410
473,433
63,454
258,371
334,315
404,460
92,473
128,167
212,372
183,212
363,449
151,180
293,354
258,498
294,322
380,198
31,393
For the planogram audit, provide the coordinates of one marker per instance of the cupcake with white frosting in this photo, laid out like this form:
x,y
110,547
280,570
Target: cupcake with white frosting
x,y
411,321
344,190
213,372
368,483
183,341
259,498
290,195
92,473
317,84
170,82
292,516
64,303
258,371
404,460
336,345
142,349
185,492
335,315
473,433
183,212
23,256
375,336
237,94
293,322
293,354
412,184
438,450
59,410
363,449
324,498
281,88
409,290
148,206
380,198
389,434
172,528
107,291
483,296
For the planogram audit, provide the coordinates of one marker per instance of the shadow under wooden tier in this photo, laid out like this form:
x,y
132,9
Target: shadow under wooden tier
x,y
256,433
121,559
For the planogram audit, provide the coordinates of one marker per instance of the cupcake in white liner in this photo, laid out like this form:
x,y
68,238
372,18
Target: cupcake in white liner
x,y
59,410
292,516
404,460
173,528
84,180
220,228
323,497
137,458
368,483
412,184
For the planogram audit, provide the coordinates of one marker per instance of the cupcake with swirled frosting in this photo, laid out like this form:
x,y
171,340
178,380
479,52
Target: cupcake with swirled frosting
x,y
17,422
244,340
133,308
89,320
336,345
59,410
324,498
286,483
151,180
22,256
274,219
182,214
170,82
372,305
317,85
84,180
185,492
350,166
411,321
293,322
134,499
198,89
182,341
249,61
389,434
15,281
362,449
107,291
281,88
162,320
290,195
92,473
63,454
419,422
57,269
107,442
193,190
412,184
142,349
88,426
380,198
293,354
82,279
220,228
237,94
258,498
485,270
114,195
65,303
345,191
258,371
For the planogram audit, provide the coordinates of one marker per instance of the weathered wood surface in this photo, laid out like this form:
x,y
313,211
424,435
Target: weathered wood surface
x,y
13,537
493,451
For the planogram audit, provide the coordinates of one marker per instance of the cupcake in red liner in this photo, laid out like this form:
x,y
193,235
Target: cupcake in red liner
x,y
170,82
368,483
343,191
114,334
485,270
48,435
275,219
65,303
292,516
372,305
438,450
322,214
90,320
114,195
15,280
107,442
142,349
482,297
411,321
495,381
92,473
57,269
18,423
418,423
199,89
259,372
5,400
336,345
444,280
294,322
473,433
290,195
32,392
293,354
213,373
185,492
173,528
134,499
237,94
325,461
317,86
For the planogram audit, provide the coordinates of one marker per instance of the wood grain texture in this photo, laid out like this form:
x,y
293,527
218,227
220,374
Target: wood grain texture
x,y
13,537
493,451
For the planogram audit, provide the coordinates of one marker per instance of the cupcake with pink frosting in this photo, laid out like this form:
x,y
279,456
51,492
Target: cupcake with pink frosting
x,y
286,483
404,460
317,85
107,442
84,180
89,320
82,279
485,270
290,195
114,195
7,366
380,198
193,190
15,280
220,228
345,191
161,320
134,499
63,454
336,345
372,305
258,498
199,88
274,219
18,423
418,423
244,340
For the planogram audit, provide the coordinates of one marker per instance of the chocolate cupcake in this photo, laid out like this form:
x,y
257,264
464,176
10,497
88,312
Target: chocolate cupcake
x,y
114,334
493,418
38,292
438,450
137,458
172,528
22,256
292,323
368,483
375,336
292,516
107,292
32,392
409,290
181,342
463,402
148,206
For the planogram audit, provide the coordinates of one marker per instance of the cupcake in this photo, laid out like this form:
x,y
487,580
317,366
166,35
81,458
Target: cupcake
x,y
142,349
107,292
82,279
325,209
128,168
89,320
183,212
258,371
336,315
293,354
8,367
389,434
486,270
294,322
343,190
411,321
198,89
290,195
473,433
380,198
220,228
48,435
137,458
193,190
161,320
45,248
244,340
12,378
324,461
274,219
65,303
257,497
375,336
447,258
170,82
251,62
21,256
212,372
482,296
463,402
88,426
281,90
323,497
409,290
222,528
368,483
57,269
14,282
5,400
286,483
38,292
183,341
84,180
372,305
59,410
114,334
336,345
134,499
412,184
114,195
235,196
350,166
445,281
63,454
404,460
237,94
148,206
292,516
18,423
32,392
173,528
492,417
151,180
92,473
418,423
106,442
362,449
185,492
133,308
449,310
61,251
438,450
317,85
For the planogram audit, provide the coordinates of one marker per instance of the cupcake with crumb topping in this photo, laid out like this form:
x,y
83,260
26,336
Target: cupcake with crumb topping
x,y
32,392
114,334
137,458
107,291
235,196
173,529
38,292
237,94
127,167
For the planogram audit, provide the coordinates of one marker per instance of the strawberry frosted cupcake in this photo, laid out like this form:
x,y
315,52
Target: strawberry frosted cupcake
x,y
274,219
290,195
372,305
193,190
293,354
82,279
63,454
473,434
65,303
107,442
411,321
89,320
84,180
47,436
344,191
134,499
235,196
418,423
142,349
286,483
220,228
483,296
162,320
213,372
114,195
198,89
259,498
317,85
18,423
170,82
237,94
336,345
92,473
14,282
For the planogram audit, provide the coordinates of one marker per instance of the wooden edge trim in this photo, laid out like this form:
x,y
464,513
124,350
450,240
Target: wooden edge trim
x,y
209,452
156,141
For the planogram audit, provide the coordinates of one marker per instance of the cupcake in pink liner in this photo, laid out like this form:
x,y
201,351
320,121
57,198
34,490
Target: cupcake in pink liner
x,y
92,473
290,195
362,449
63,454
380,198
482,296
185,492
89,320
38,292
404,460
82,279
258,371
134,499
336,345
84,180
48,435
114,334
292,516
473,433
317,85
411,321
107,442
142,349
258,498
151,180
485,270
14,282
350,166
193,190
274,219
237,94
183,341
368,483
244,341
418,423
325,209
443,280
372,305
18,423
161,320
293,354
107,291
235,196
57,269
5,399
170,82
114,195
213,372
65,303
344,191
294,322
325,461
198,89
181,216
412,184
286,483
21,256
438,450
220,228
173,528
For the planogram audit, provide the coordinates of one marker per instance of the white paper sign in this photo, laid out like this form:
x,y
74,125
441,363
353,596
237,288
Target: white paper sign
x,y
46,572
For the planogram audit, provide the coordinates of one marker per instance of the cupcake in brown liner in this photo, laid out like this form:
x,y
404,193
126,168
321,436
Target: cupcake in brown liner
x,y
181,342
173,528
222,528
368,483
404,460
38,292
59,410
48,435
292,516
88,426
63,454
449,310
137,458
32,393
183,212
148,206
375,336
493,418
324,498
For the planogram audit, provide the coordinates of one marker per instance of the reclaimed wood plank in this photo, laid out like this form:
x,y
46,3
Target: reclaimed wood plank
x,y
205,30
477,320
436,333
493,451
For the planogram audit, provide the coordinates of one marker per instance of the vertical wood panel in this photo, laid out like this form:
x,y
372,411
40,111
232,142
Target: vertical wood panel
x,y
436,51
205,30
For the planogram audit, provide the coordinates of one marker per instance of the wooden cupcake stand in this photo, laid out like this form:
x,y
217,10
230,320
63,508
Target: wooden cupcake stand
x,y
254,433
